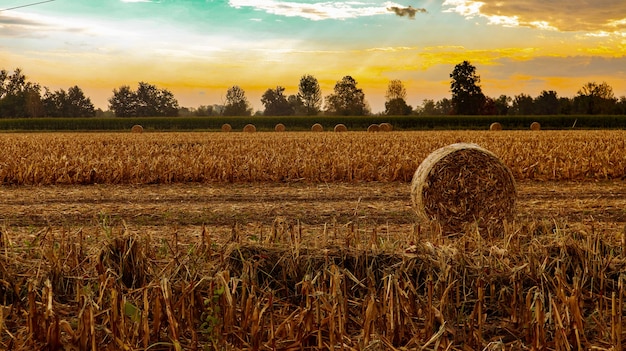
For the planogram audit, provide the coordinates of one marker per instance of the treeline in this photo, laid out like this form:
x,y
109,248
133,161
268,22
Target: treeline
x,y
20,98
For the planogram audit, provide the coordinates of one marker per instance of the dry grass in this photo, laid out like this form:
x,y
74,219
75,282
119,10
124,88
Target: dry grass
x,y
121,158
287,286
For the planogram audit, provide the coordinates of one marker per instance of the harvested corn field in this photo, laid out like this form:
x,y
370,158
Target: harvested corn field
x,y
225,263
163,158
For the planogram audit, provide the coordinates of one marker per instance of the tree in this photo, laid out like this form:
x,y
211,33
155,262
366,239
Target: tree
x,y
310,94
147,101
72,103
18,97
467,96
236,102
347,100
276,103
396,99
595,98
523,105
547,103
502,105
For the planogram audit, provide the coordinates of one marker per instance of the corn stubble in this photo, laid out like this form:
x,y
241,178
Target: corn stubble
x,y
109,158
347,286
350,287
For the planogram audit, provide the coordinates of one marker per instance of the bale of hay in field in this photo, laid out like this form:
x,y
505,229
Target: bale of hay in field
x,y
317,128
535,126
226,128
279,127
136,129
495,126
463,184
340,128
373,128
249,128
386,127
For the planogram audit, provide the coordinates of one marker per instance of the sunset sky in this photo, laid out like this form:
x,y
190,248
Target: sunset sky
x,y
199,48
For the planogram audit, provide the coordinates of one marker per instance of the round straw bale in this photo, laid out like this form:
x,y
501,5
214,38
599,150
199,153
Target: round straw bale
x,y
535,126
226,128
495,126
136,129
317,128
386,127
249,128
462,184
340,128
279,127
373,128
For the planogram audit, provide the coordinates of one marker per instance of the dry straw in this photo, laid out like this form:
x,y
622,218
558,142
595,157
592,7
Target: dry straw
x,y
386,127
279,127
137,129
463,184
226,128
535,126
373,128
340,128
495,126
317,128
249,128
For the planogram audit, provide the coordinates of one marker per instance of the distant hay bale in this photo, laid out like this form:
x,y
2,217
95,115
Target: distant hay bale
x,y
373,128
317,128
136,129
535,126
249,128
462,184
495,126
386,127
279,127
226,128
340,128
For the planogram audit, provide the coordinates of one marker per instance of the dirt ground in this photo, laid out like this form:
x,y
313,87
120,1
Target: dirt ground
x,y
185,208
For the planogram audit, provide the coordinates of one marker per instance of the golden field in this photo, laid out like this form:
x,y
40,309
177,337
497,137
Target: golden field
x,y
163,158
303,241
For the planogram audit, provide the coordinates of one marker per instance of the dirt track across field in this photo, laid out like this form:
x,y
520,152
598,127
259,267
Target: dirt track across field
x,y
222,205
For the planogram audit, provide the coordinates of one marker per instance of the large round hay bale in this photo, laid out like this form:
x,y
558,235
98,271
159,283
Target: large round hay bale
x,y
317,128
340,128
373,128
136,129
226,128
386,127
495,126
279,127
535,126
249,128
462,184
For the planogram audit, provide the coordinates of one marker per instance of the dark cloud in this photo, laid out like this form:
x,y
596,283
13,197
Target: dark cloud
x,y
406,11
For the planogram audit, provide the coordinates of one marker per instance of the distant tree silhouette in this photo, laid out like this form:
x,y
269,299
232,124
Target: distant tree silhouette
x,y
594,98
72,103
276,103
347,100
310,95
396,99
236,102
467,96
19,97
147,101
547,103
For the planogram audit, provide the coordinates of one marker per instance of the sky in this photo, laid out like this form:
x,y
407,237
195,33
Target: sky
x,y
197,49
